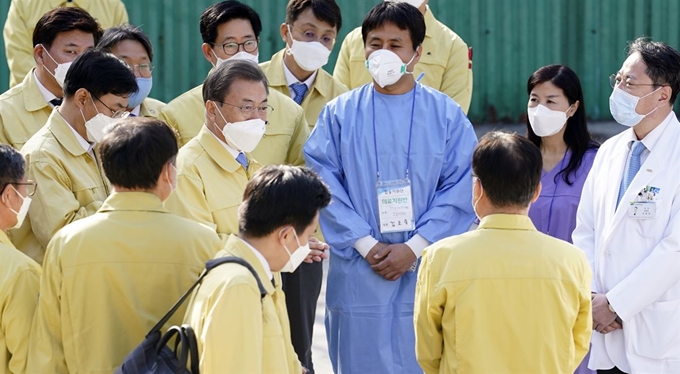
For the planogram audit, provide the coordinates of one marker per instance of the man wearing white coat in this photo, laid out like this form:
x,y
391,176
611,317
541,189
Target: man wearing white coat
x,y
628,221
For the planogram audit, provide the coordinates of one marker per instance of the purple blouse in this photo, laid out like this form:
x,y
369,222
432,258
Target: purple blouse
x,y
554,213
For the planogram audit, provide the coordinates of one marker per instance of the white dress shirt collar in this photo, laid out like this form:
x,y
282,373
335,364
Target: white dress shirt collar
x,y
259,256
46,94
232,151
291,80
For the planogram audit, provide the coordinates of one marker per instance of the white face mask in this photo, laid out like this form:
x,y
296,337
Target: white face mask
x,y
297,257
310,56
545,121
386,67
415,3
96,126
243,55
23,210
244,135
61,70
622,106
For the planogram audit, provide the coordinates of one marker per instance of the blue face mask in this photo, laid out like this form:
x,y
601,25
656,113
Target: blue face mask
x,y
144,85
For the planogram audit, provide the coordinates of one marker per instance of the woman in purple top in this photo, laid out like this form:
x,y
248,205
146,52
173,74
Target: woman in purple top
x,y
557,125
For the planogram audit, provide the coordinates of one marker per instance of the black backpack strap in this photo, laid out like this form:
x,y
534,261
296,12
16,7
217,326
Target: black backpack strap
x,y
208,266
223,260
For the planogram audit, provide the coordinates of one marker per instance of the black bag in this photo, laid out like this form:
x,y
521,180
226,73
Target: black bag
x,y
154,356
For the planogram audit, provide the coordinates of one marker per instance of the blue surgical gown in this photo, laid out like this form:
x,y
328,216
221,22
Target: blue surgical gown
x,y
369,320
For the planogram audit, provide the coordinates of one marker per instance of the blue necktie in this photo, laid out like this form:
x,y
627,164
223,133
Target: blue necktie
x,y
300,90
633,168
241,158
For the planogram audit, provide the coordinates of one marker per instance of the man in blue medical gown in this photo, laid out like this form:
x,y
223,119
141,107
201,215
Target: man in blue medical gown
x,y
396,156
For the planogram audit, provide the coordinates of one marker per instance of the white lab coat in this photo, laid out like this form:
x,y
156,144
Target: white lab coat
x,y
635,262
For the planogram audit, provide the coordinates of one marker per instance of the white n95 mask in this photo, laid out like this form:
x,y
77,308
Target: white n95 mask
x,y
297,257
242,55
386,67
310,56
545,121
244,135
622,107
415,3
23,210
60,71
96,126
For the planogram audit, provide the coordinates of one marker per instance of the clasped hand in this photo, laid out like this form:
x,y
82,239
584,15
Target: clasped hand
x,y
391,261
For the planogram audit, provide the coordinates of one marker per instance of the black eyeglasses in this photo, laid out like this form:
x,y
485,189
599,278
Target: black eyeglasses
x,y
247,110
615,80
31,186
117,114
232,48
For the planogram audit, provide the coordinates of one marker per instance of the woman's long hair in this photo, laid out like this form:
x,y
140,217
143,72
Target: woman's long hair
x,y
576,135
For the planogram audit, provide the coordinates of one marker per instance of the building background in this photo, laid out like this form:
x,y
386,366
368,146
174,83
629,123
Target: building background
x,y
510,40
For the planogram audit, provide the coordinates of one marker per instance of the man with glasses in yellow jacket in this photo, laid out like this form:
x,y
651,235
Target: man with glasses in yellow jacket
x,y
446,59
62,157
110,277
309,32
230,30
60,36
23,15
19,275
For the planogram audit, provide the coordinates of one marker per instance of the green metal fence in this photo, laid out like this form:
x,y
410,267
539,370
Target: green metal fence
x,y
510,39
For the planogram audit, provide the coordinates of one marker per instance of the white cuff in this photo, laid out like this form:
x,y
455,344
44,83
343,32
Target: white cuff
x,y
417,244
364,245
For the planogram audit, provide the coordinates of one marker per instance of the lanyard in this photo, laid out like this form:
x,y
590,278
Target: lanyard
x,y
552,199
410,133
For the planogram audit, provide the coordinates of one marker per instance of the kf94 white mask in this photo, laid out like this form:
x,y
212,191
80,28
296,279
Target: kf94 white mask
x,y
310,56
297,257
546,122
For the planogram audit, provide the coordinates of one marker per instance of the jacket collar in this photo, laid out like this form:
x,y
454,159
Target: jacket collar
x,y
63,133
133,201
237,247
79,3
4,239
507,222
277,77
430,22
216,151
33,98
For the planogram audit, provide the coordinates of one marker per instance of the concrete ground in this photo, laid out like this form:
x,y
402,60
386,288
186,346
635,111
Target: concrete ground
x,y
322,365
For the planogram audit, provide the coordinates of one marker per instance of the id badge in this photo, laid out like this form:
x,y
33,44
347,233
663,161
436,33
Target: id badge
x,y
395,206
642,210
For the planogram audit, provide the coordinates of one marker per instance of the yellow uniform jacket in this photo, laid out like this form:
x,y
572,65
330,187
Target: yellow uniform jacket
x,y
23,15
109,278
19,283
286,132
71,185
504,298
324,89
445,60
23,111
237,330
210,184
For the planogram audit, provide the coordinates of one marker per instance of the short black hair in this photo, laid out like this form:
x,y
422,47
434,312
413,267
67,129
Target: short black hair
x,y
218,83
135,150
100,73
281,195
663,63
120,33
325,10
64,19
403,15
223,12
12,166
508,167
